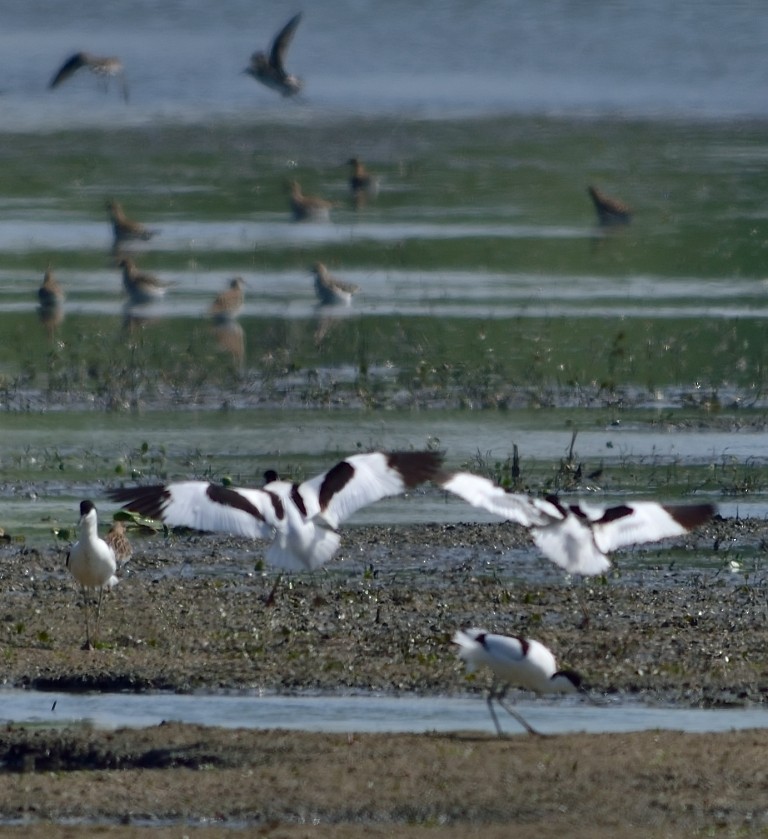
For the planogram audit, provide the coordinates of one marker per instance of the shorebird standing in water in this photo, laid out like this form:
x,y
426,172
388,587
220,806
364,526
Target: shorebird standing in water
x,y
51,308
270,69
610,211
362,184
106,68
228,305
125,229
514,661
331,291
307,207
92,563
141,287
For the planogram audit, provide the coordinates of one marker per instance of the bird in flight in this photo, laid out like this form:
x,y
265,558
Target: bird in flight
x,y
300,521
104,67
579,536
270,69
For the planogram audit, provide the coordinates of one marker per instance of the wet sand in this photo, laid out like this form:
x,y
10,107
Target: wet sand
x,y
190,614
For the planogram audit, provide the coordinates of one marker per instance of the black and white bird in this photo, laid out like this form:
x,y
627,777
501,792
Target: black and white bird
x,y
521,662
93,564
104,67
270,69
579,536
301,520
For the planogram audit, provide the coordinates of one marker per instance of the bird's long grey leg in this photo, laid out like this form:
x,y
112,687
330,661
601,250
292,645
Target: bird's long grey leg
x,y
529,728
492,694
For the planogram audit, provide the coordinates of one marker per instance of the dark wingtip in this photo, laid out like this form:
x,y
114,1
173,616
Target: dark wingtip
x,y
691,515
416,467
148,501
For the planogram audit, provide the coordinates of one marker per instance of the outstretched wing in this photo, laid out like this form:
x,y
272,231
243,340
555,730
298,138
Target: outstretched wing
x,y
204,506
516,507
68,68
282,41
642,521
364,478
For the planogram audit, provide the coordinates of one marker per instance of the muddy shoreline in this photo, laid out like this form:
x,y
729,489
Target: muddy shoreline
x,y
682,623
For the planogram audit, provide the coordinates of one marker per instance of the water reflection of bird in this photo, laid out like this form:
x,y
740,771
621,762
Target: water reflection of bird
x,y
330,290
106,68
522,662
228,305
300,520
125,229
578,536
610,211
362,184
51,308
307,207
92,563
141,287
270,69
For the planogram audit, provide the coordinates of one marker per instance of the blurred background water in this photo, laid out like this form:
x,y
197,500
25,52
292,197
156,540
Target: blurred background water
x,y
184,59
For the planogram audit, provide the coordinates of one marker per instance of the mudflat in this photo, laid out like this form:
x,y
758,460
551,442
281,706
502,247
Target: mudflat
x,y
190,614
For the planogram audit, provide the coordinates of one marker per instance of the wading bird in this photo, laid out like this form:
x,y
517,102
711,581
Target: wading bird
x,y
228,305
610,211
578,536
105,68
522,662
307,207
331,291
270,69
300,520
141,287
125,229
93,564
362,184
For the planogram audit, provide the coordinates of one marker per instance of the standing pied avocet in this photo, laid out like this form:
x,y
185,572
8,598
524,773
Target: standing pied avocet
x,y
301,520
92,563
522,662
578,536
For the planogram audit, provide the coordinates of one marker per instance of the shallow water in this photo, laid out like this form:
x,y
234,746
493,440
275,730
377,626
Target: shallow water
x,y
359,713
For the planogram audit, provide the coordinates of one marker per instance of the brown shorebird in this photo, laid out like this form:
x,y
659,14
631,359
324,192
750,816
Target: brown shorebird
x,y
308,207
362,184
106,68
117,539
125,229
228,305
610,211
140,287
270,69
330,291
50,294
51,308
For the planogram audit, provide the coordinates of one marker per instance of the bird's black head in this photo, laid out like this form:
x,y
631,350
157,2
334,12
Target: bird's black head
x,y
270,475
86,507
571,676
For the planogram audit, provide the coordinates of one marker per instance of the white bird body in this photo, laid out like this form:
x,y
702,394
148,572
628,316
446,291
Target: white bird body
x,y
92,563
91,560
578,536
301,520
522,662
